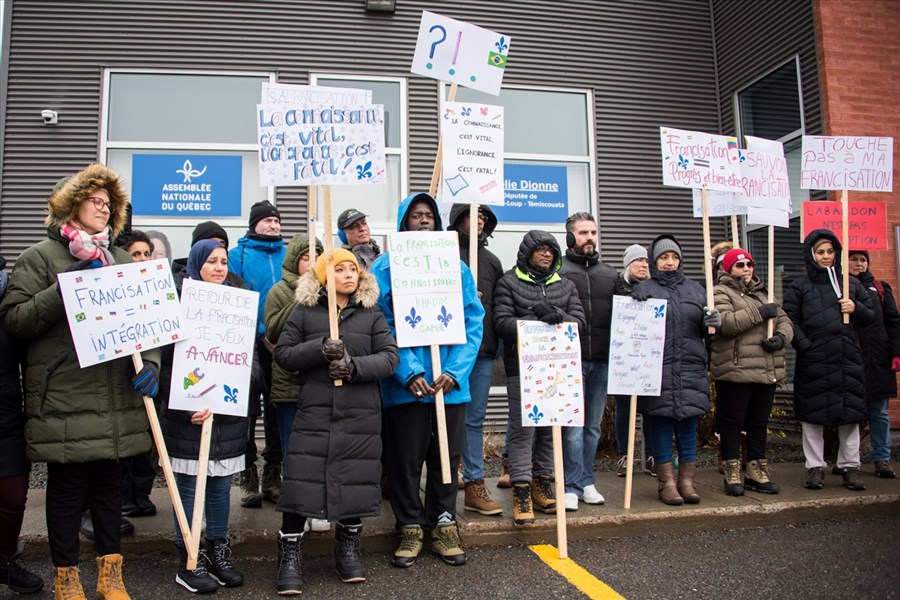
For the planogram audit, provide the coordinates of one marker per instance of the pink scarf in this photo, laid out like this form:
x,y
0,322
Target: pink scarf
x,y
85,246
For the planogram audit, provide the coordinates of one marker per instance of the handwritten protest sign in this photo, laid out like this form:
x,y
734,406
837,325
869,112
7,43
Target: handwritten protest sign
x,y
868,222
719,204
551,379
426,283
454,51
473,153
212,369
118,310
636,345
864,164
313,95
693,159
321,145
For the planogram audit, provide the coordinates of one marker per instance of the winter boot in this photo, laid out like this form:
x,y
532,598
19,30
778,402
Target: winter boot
x,y
815,478
883,469
668,492
542,494
503,482
411,541
347,559
733,485
523,511
445,543
109,578
852,480
250,487
686,473
196,581
290,564
67,585
757,478
17,578
218,563
478,500
271,481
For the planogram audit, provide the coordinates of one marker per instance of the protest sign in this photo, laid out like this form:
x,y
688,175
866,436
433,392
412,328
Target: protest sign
x,y
864,164
454,51
868,222
426,284
212,369
768,216
720,204
551,378
636,345
694,159
121,309
313,95
313,145
472,137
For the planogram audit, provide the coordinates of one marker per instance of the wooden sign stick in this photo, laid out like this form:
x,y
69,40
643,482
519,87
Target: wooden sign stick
x,y
735,233
443,448
629,469
770,325
473,242
707,256
311,223
845,249
160,442
329,269
200,492
562,542
438,159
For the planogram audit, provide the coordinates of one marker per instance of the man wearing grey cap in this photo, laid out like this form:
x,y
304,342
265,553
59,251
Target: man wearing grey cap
x,y
353,231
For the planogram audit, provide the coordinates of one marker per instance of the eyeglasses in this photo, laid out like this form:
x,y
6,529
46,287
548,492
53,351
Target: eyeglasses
x,y
544,250
741,265
100,203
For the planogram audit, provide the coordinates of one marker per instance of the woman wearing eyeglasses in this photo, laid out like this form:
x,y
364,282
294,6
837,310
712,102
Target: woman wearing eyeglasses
x,y
746,365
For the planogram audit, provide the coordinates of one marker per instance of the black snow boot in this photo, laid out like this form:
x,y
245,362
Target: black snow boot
x,y
347,559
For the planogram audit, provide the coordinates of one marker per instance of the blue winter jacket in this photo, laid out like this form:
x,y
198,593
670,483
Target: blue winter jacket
x,y
259,265
457,361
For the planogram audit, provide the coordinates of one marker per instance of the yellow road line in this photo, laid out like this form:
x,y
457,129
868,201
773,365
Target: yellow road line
x,y
585,582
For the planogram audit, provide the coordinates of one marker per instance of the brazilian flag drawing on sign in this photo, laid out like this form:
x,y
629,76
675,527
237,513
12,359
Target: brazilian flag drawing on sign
x,y
497,60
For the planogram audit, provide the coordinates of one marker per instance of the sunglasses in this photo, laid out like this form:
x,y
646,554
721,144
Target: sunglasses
x,y
741,265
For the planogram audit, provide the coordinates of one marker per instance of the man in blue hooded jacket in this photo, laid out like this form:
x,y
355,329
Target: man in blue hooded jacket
x,y
410,421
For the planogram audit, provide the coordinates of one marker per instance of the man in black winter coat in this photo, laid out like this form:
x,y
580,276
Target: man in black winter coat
x,y
596,282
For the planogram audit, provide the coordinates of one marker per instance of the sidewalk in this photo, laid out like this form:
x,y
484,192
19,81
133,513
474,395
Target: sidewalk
x,y
254,530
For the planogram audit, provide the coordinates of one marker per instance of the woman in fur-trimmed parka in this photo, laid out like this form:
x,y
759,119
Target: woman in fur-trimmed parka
x,y
81,420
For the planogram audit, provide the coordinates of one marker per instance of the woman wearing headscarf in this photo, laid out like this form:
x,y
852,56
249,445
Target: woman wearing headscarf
x,y
81,421
829,379
746,365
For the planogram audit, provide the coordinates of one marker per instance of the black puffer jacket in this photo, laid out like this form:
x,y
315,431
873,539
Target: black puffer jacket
x,y
596,283
13,461
519,290
489,271
829,379
685,388
333,463
880,340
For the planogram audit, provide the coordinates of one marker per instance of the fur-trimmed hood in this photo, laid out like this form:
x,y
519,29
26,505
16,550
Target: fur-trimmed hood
x,y
67,197
309,290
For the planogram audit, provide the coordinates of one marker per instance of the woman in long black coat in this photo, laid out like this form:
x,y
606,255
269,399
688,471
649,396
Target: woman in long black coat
x,y
829,379
333,464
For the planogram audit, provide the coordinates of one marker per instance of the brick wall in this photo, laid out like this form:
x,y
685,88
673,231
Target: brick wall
x,y
859,70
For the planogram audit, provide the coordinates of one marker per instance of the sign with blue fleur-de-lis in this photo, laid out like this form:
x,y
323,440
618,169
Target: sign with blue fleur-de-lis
x,y
636,346
550,374
694,159
472,153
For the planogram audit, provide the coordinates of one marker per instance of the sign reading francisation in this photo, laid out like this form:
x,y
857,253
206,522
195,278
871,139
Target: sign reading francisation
x,y
636,346
186,185
694,159
534,194
551,379
864,164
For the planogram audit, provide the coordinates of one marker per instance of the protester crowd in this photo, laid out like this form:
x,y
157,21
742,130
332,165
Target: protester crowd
x,y
339,412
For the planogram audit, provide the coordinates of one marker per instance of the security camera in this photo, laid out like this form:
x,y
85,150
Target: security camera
x,y
50,117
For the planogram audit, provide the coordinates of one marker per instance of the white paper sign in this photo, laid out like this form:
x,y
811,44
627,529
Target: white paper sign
x,y
426,283
719,204
321,145
472,136
550,374
693,159
768,216
863,164
454,51
312,95
212,369
118,310
636,345
764,179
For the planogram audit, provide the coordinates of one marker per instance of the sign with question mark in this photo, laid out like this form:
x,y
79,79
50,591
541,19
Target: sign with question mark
x,y
461,53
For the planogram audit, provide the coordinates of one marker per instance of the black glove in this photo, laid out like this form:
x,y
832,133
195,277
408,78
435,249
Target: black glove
x,y
341,368
768,311
549,314
333,349
639,295
541,310
146,381
712,318
776,342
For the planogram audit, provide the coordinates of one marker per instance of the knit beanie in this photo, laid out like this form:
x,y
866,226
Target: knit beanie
x,y
663,245
208,230
340,255
198,255
260,211
734,255
863,252
633,253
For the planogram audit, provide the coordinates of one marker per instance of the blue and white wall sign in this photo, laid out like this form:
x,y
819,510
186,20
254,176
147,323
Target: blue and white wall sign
x,y
534,194
186,185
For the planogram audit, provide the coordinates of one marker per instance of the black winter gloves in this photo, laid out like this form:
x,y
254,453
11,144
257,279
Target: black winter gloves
x,y
774,343
146,381
768,311
639,295
548,314
332,349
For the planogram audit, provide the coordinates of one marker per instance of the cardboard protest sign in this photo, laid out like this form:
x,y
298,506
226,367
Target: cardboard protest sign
x,y
118,310
868,222
636,346
312,95
426,284
864,164
693,159
212,369
454,51
719,204
472,153
321,145
551,378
